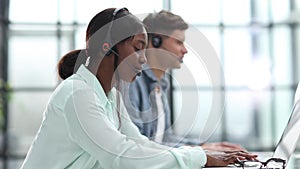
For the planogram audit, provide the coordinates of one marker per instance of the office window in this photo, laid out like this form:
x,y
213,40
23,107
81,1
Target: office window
x,y
240,15
237,56
33,11
282,55
206,12
25,119
257,48
244,122
260,12
32,59
296,70
280,10
256,43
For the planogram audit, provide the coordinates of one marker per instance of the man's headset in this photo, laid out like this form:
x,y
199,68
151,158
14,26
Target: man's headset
x,y
156,40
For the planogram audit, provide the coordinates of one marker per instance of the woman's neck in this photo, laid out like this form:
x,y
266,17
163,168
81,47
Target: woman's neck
x,y
105,75
105,83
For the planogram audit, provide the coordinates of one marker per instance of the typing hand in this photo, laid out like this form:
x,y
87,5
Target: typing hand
x,y
224,159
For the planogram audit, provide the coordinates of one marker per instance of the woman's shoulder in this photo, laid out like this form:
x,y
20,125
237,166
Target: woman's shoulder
x,y
66,89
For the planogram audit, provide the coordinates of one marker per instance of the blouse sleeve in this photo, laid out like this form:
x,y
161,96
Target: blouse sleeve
x,y
91,127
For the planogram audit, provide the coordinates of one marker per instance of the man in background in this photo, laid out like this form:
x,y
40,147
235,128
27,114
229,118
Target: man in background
x,y
147,104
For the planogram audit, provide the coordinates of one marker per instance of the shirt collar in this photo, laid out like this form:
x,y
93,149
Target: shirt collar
x,y
93,82
149,73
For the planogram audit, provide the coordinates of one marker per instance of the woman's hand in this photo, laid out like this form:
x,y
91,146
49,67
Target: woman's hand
x,y
221,159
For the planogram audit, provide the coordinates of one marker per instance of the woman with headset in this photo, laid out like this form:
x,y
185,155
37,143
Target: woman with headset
x,y
85,124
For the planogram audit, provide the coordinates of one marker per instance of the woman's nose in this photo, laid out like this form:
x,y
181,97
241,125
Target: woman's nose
x,y
142,58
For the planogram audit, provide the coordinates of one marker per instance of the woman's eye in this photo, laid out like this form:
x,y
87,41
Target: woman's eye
x,y
136,49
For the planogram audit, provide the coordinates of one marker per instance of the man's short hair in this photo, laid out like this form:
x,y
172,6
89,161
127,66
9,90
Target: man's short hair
x,y
164,22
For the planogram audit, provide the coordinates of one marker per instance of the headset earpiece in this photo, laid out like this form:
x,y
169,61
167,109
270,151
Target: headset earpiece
x,y
106,48
107,44
156,41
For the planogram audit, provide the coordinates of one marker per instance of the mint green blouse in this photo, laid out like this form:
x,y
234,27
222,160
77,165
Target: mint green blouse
x,y
80,130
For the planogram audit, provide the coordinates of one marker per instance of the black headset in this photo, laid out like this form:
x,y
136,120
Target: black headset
x,y
156,40
107,44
